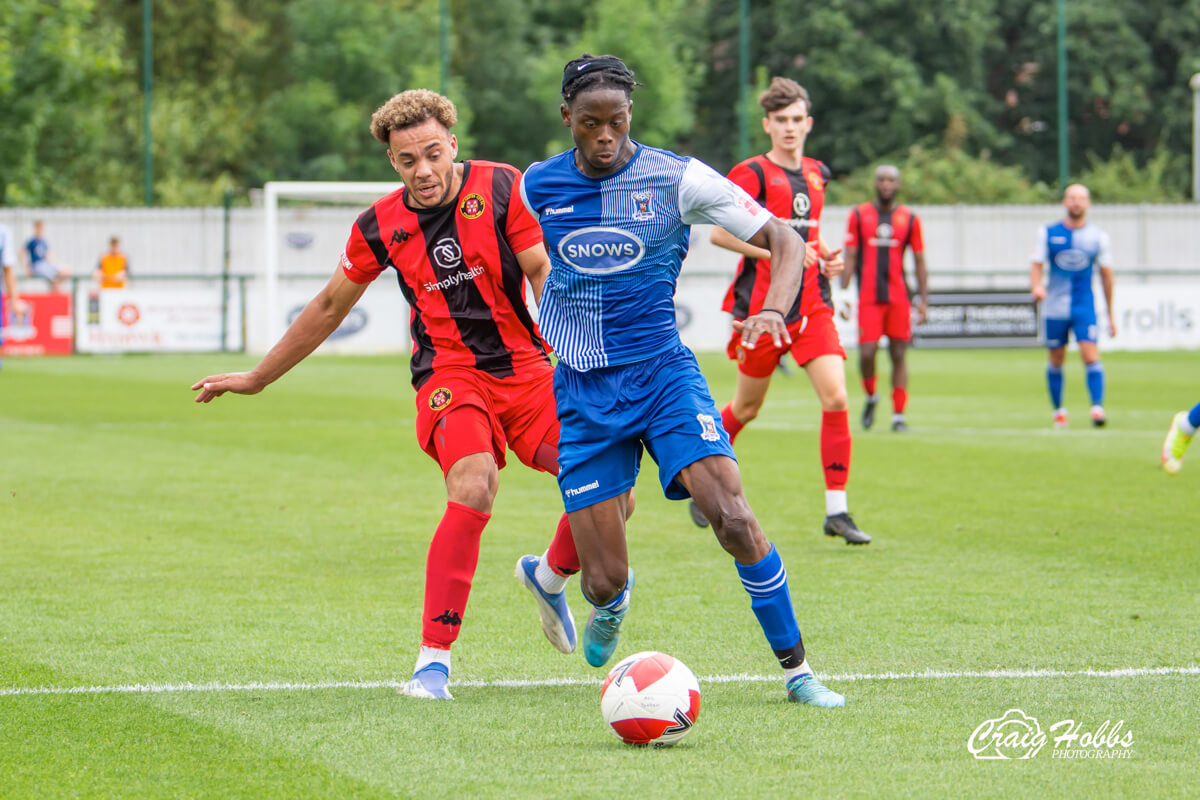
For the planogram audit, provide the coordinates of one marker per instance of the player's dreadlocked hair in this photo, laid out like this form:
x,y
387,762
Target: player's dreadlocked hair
x,y
782,93
589,72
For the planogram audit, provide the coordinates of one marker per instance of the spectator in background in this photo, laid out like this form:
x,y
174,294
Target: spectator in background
x,y
112,272
37,259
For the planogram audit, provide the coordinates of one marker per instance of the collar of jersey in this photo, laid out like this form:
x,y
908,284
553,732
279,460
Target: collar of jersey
x,y
625,166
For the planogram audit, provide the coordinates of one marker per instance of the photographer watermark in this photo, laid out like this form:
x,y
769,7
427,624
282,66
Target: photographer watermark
x,y
1016,736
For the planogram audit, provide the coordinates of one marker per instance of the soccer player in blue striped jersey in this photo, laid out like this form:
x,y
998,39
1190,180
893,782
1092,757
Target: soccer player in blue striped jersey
x,y
1072,247
616,217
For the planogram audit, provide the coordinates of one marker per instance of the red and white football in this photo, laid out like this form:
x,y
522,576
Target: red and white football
x,y
650,698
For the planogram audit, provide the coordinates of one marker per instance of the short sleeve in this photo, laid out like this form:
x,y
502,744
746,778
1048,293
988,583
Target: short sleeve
x,y
8,252
521,227
853,223
707,196
1104,257
915,239
746,178
359,261
1041,253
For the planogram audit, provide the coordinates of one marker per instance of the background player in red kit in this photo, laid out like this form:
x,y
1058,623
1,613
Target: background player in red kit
x,y
461,246
792,187
877,234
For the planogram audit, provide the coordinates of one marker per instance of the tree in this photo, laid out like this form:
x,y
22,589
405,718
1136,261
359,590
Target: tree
x,y
61,73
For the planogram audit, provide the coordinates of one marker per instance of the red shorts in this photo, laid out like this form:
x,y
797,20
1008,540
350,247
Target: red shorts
x,y
812,336
878,319
518,413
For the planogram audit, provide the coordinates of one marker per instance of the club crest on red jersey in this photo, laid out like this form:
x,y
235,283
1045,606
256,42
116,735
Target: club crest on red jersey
x,y
472,206
440,399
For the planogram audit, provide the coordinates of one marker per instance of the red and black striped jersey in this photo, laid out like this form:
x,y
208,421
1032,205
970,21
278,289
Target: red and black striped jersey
x,y
881,237
458,270
797,197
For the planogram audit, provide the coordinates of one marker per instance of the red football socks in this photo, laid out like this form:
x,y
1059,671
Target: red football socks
x,y
869,386
835,448
561,556
449,569
730,422
899,399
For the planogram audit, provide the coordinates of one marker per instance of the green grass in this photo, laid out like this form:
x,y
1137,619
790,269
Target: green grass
x,y
148,540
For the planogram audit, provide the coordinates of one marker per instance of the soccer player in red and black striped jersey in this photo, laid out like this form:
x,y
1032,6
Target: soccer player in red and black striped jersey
x,y
792,187
877,235
462,246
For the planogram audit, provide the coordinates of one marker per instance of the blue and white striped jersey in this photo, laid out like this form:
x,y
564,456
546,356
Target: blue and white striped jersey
x,y
1071,253
616,246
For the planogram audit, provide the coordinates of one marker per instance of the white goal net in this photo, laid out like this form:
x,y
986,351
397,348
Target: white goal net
x,y
306,224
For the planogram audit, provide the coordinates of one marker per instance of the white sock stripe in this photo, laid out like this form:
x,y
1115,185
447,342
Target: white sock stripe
x,y
269,686
767,586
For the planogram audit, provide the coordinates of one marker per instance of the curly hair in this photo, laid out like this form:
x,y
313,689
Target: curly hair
x,y
411,108
782,93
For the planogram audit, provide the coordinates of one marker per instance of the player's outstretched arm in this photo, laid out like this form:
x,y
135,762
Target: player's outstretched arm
x,y
319,318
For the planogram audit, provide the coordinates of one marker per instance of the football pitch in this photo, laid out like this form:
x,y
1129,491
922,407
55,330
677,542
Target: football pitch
x,y
219,601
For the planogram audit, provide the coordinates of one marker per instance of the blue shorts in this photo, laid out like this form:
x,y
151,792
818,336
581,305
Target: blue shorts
x,y
1058,330
608,415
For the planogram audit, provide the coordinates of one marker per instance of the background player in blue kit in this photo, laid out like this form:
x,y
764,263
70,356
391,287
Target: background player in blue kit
x,y
616,217
1072,247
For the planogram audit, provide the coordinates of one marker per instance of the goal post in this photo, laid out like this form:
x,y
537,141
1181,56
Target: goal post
x,y
342,193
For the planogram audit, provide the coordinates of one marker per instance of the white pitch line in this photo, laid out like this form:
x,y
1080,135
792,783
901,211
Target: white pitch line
x,y
180,688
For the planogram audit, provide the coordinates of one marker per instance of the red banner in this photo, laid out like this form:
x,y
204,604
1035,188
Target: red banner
x,y
44,329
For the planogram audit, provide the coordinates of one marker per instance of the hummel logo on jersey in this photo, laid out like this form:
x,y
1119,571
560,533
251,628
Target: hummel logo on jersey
x,y
836,467
587,487
400,236
552,212
448,617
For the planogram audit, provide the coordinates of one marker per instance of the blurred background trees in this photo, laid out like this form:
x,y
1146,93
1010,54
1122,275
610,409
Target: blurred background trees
x,y
959,93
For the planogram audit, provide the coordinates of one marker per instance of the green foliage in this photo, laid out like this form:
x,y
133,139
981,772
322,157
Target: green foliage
x,y
284,89
1121,179
943,176
62,72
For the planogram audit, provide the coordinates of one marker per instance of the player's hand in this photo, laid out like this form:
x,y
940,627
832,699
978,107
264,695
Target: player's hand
x,y
216,385
1038,292
922,312
1112,330
19,306
756,325
811,255
833,261
847,311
